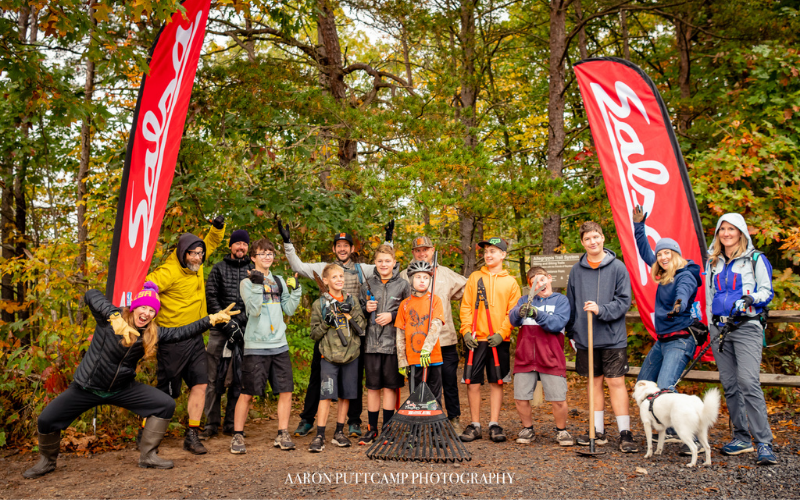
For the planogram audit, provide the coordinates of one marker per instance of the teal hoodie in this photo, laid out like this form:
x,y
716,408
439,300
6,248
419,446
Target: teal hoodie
x,y
265,310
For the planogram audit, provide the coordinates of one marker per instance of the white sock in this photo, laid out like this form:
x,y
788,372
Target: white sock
x,y
494,423
624,422
477,425
599,425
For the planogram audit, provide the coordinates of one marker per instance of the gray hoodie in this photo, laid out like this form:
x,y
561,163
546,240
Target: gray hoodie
x,y
610,287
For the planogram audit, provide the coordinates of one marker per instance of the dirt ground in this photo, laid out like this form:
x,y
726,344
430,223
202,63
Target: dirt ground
x,y
505,470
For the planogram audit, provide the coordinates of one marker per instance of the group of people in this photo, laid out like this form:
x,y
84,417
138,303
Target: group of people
x,y
373,322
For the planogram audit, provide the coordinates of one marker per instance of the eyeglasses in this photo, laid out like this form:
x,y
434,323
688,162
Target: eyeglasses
x,y
265,255
198,253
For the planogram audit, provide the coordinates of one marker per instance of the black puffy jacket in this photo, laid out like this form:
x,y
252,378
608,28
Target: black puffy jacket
x,y
222,286
108,365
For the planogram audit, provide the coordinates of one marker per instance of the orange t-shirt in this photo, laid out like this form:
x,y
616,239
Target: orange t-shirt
x,y
413,319
594,265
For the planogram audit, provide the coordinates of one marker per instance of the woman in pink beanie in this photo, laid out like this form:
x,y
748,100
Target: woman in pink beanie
x,y
106,375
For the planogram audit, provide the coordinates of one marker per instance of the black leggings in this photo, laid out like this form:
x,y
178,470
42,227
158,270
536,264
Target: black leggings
x,y
141,399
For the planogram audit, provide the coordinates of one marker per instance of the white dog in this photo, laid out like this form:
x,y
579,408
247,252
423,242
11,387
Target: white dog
x,y
688,415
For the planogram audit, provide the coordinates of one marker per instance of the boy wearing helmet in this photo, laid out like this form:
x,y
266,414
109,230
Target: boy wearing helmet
x,y
417,344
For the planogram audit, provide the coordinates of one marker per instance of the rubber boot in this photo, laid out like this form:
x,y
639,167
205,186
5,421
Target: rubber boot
x,y
49,446
152,434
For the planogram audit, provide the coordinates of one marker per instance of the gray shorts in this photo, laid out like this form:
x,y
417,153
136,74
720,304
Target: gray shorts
x,y
338,381
554,386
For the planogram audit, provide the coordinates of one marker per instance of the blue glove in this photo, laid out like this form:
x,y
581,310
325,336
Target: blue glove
x,y
743,303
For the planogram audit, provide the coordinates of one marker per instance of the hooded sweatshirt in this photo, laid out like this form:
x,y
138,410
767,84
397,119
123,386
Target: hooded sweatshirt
x,y
748,274
183,292
502,292
265,309
540,342
610,287
684,287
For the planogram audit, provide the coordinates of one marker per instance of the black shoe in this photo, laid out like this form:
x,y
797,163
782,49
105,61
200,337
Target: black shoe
x,y
368,438
192,442
228,431
209,432
340,440
686,452
303,428
317,445
496,434
626,443
471,433
599,438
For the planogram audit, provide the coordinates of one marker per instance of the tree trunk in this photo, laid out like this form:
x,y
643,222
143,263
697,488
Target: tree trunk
x,y
83,170
7,220
683,36
551,227
623,21
582,32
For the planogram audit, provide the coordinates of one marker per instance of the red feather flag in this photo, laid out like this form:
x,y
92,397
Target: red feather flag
x,y
642,165
153,148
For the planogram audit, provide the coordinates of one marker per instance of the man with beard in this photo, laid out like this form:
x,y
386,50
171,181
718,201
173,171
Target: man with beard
x,y
181,284
222,289
354,275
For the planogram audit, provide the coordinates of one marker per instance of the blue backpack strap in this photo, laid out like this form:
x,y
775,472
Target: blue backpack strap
x,y
360,274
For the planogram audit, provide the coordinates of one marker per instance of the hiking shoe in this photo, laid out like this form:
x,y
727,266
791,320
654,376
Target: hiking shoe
x,y
354,430
192,442
303,428
339,439
456,425
471,433
737,446
564,438
599,438
765,455
209,432
686,452
671,437
525,436
496,434
237,445
369,437
317,444
626,443
283,441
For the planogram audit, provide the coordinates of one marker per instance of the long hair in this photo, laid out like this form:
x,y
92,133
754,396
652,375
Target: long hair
x,y
717,249
666,276
149,337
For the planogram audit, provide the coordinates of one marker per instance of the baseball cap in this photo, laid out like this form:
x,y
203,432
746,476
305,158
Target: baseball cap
x,y
343,237
422,242
495,242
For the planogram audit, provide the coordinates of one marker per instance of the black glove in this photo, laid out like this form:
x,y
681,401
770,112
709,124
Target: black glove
x,y
345,307
528,312
234,334
218,222
748,301
330,318
257,277
638,214
284,232
389,230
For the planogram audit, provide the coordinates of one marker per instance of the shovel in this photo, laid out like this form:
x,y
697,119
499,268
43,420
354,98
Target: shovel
x,y
591,452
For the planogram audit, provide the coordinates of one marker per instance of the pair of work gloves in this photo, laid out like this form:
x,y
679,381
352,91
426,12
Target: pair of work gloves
x,y
129,333
257,278
424,361
287,237
330,316
494,341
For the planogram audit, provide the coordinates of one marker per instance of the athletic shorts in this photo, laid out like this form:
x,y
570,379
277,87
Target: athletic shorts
x,y
554,386
338,381
483,358
610,363
182,361
257,370
381,371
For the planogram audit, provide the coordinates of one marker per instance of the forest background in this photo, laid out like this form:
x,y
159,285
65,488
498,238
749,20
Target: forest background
x,y
456,118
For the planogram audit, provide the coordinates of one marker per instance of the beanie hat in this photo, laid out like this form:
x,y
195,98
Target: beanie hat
x,y
238,236
668,244
147,297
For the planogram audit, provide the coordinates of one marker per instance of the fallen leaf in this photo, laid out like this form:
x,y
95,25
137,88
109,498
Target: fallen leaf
x,y
641,470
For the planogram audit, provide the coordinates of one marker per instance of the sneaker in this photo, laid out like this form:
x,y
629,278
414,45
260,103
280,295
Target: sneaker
x,y
209,432
339,439
686,452
525,436
369,437
564,438
765,455
303,428
456,425
471,433
671,437
283,441
737,446
354,430
496,434
192,442
599,438
317,445
237,445
626,443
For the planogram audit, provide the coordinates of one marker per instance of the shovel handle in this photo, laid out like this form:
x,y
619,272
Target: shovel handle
x,y
591,379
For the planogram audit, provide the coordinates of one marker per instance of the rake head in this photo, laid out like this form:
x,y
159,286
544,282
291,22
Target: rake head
x,y
419,431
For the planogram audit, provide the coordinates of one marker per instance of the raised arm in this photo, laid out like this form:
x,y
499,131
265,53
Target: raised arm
x,y
645,252
303,269
100,306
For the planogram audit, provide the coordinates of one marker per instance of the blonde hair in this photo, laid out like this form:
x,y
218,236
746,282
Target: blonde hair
x,y
149,337
717,249
666,276
330,268
384,249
